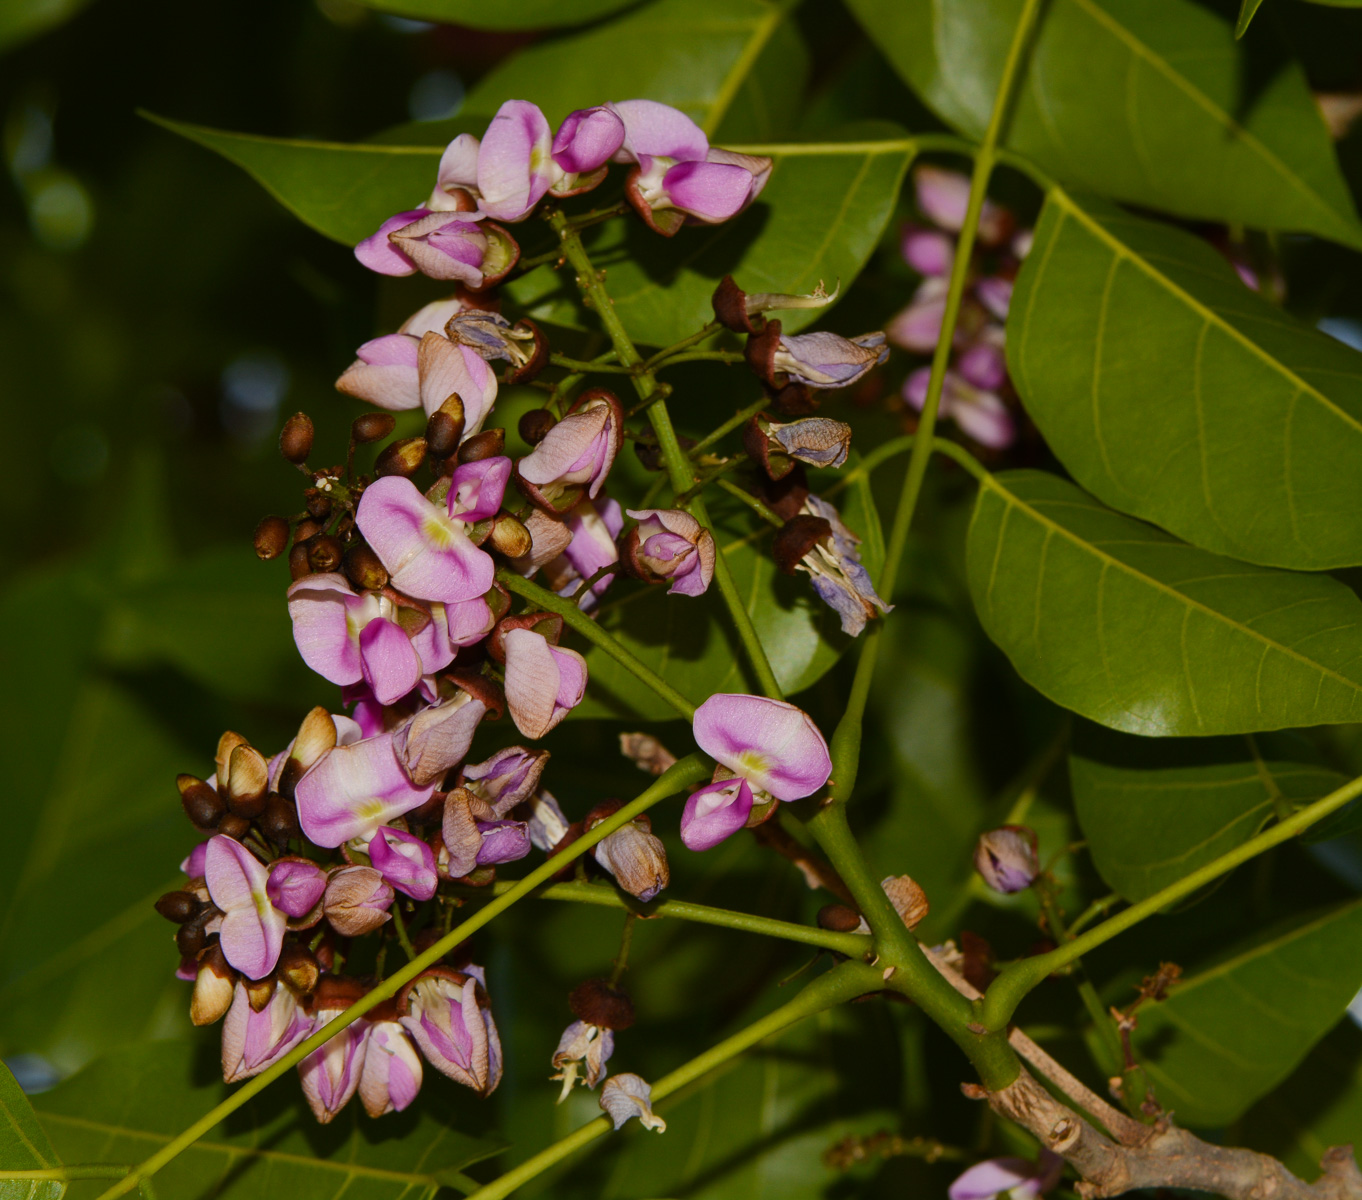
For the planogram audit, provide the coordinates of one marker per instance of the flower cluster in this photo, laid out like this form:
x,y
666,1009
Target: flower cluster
x,y
975,389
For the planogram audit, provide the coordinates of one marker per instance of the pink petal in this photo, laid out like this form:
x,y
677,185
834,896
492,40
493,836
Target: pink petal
x,y
379,254
295,887
355,789
708,191
985,418
405,861
983,365
918,327
427,554
915,387
444,246
458,169
533,682
773,744
571,677
587,139
514,162
928,251
327,617
572,451
384,373
445,369
986,1179
391,665
756,165
717,811
995,294
432,643
469,621
654,129
252,931
476,489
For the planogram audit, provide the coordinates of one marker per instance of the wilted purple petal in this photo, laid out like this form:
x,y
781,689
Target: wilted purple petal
x,y
503,841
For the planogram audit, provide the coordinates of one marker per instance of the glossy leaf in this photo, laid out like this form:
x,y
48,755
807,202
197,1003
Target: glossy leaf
x,y
1138,631
124,1107
688,641
1229,1034
819,218
505,14
1177,394
23,1146
1150,101
1247,9
1154,811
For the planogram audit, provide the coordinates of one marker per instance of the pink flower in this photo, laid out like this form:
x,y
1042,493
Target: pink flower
x,y
392,1071
477,489
943,197
514,163
357,901
594,526
436,738
670,544
1015,1177
427,553
405,861
377,251
385,373
543,682
253,1041
446,1012
355,790
445,368
981,414
716,812
577,454
444,246
587,140
252,928
330,1074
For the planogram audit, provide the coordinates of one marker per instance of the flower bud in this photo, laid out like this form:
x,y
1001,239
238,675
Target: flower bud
x,y
279,821
295,887
364,569
214,986
253,1041
372,427
260,991
445,427
202,804
1007,858
669,545
447,1014
298,564
629,1095
299,968
305,531
330,1074
534,426
490,443
357,901
234,827
248,778
178,907
324,554
295,441
271,537
392,1069
191,937
402,457
575,457
635,856
510,537
599,1003
839,918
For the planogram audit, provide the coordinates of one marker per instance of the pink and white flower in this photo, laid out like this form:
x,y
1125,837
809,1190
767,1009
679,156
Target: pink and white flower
x,y
405,861
544,682
446,1012
253,1041
670,544
576,456
252,931
354,790
392,1072
330,1074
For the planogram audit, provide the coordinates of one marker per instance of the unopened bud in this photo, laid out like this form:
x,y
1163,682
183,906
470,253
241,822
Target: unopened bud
x,y
490,443
446,426
402,457
598,1003
234,827
202,804
372,427
298,968
178,907
190,938
635,856
279,821
295,442
298,564
318,504
271,537
248,779
316,735
796,538
364,569
260,991
306,531
324,554
839,918
1007,858
510,537
534,426
213,988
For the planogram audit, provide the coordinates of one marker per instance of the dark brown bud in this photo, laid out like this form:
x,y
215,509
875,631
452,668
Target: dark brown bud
x,y
233,826
298,564
279,821
534,426
796,538
190,937
509,537
202,804
178,907
730,308
305,531
490,443
785,497
318,504
324,553
402,457
298,968
214,986
372,427
271,537
839,918
248,777
364,568
442,435
260,991
597,1003
295,442
795,400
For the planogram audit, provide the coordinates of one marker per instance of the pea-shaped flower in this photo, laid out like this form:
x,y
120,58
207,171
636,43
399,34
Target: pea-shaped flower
x,y
668,544
448,1016
252,928
354,790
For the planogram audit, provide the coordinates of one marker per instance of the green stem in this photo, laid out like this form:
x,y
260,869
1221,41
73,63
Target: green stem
x,y
684,344
1098,908
581,367
400,926
70,1174
1007,991
737,419
677,778
678,465
909,971
853,945
846,739
752,502
724,356
593,633
842,983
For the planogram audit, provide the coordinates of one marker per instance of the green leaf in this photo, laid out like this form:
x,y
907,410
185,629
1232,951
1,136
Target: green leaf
x,y
130,1104
1231,1033
819,218
1150,101
1319,1106
343,190
506,14
1177,394
1247,8
23,1146
21,20
689,641
693,54
1120,622
1154,810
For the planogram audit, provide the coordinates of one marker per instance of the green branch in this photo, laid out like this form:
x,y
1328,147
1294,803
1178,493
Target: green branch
x,y
589,629
842,983
677,778
853,945
1007,991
